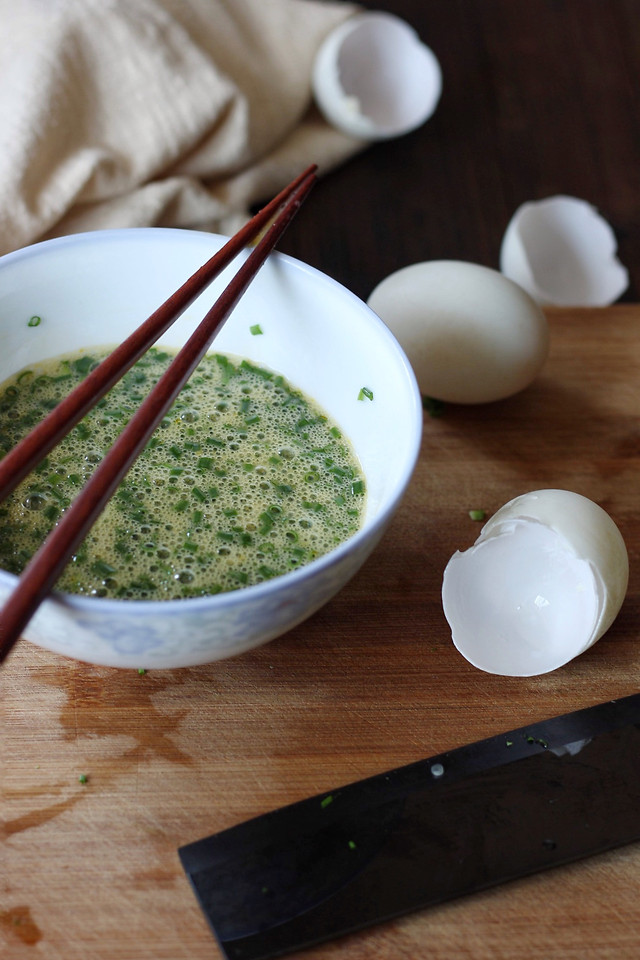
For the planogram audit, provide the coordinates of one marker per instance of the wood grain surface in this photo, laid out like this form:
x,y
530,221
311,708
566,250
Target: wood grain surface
x,y
90,870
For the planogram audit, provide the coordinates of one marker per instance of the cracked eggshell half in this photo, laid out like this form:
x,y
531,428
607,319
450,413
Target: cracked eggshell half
x,y
471,334
563,253
374,79
543,582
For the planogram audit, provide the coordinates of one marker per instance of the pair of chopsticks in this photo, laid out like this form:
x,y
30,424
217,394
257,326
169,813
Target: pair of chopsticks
x,y
46,565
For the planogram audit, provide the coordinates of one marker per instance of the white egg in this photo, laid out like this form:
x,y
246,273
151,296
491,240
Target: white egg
x,y
471,335
374,79
543,582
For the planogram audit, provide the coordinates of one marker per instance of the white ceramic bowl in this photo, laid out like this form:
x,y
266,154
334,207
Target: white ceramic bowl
x,y
93,289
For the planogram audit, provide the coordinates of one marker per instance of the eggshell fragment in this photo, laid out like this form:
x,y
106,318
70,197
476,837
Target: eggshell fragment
x,y
471,335
563,253
543,582
374,79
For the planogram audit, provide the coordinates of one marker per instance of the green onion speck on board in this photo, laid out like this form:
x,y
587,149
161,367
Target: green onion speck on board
x,y
435,408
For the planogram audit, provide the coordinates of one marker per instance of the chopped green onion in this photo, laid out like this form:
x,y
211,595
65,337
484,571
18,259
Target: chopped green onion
x,y
259,371
83,364
326,801
435,408
282,488
313,505
477,514
185,472
103,569
538,740
34,321
83,778
266,522
255,330
365,393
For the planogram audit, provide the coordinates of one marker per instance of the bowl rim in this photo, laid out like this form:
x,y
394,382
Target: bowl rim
x,y
230,598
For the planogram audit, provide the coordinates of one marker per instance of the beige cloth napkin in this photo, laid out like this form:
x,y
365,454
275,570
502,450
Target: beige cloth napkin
x,y
125,113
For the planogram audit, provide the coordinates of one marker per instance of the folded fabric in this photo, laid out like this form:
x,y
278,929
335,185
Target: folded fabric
x,y
125,113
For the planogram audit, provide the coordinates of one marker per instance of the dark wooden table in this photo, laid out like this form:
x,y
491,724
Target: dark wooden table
x,y
540,97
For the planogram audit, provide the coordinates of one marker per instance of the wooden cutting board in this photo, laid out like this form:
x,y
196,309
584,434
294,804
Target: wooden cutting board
x,y
90,870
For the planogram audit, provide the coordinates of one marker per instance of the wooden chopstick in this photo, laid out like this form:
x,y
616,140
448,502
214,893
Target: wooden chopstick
x,y
16,464
47,563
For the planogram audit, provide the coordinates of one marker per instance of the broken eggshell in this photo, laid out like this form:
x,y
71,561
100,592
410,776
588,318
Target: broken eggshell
x,y
563,253
543,582
374,79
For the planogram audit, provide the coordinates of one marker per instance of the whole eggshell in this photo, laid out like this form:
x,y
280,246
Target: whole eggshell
x,y
471,334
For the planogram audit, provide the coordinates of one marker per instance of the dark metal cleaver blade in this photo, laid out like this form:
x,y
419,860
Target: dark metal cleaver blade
x,y
456,823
